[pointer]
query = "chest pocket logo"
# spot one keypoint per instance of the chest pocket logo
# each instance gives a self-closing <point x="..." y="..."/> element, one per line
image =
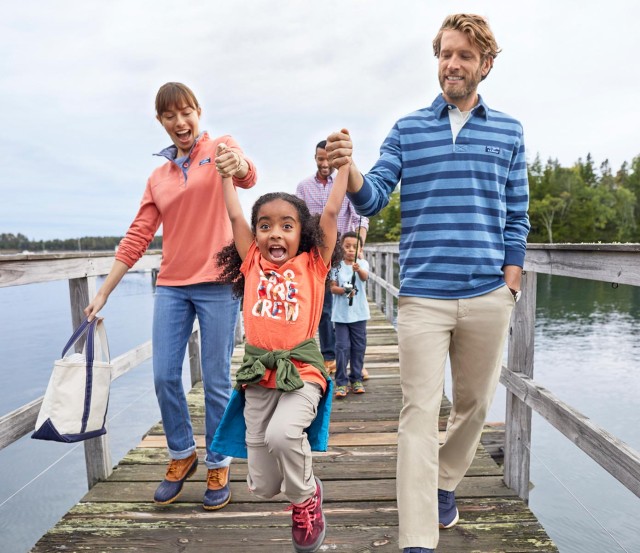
<point x="204" y="161"/>
<point x="492" y="149"/>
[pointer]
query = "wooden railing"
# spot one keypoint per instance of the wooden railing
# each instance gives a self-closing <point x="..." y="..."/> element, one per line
<point x="81" y="270"/>
<point x="604" y="262"/>
<point x="618" y="264"/>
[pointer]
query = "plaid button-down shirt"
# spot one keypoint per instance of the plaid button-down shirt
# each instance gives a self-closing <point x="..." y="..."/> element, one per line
<point x="315" y="194"/>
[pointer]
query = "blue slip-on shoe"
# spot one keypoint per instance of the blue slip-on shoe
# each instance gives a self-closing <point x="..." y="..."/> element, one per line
<point x="218" y="493"/>
<point x="179" y="470"/>
<point x="447" y="511"/>
<point x="417" y="550"/>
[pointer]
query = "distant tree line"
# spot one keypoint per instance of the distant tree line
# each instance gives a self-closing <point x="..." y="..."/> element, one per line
<point x="567" y="204"/>
<point x="582" y="204"/>
<point x="19" y="242"/>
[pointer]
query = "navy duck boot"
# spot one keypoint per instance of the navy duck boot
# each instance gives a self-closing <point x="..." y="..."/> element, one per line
<point x="218" y="493"/>
<point x="177" y="472"/>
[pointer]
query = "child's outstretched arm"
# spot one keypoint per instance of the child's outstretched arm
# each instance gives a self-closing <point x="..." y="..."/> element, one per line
<point x="242" y="235"/>
<point x="329" y="217"/>
<point x="363" y="274"/>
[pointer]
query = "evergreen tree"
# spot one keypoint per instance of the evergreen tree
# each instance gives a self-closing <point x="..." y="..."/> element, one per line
<point x="385" y="226"/>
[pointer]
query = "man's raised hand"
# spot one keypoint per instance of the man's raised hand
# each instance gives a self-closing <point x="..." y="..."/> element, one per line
<point x="339" y="148"/>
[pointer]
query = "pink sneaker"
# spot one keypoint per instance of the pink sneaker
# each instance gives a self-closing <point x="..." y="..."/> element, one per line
<point x="308" y="525"/>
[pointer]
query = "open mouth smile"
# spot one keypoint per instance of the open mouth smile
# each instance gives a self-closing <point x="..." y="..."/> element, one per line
<point x="184" y="136"/>
<point x="277" y="253"/>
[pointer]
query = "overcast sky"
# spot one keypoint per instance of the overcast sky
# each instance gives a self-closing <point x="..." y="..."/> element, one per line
<point x="78" y="81"/>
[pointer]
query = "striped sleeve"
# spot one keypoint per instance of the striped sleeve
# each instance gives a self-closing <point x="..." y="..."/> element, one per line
<point x="517" y="199"/>
<point x="380" y="182"/>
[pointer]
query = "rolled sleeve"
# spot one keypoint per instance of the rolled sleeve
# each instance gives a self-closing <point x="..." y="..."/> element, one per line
<point x="251" y="177"/>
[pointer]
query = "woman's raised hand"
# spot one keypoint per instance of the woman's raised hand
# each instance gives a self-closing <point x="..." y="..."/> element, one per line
<point x="228" y="162"/>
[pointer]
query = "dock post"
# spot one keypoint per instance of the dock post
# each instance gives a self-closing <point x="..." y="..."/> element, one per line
<point x="238" y="337"/>
<point x="96" y="450"/>
<point x="195" y="364"/>
<point x="388" y="276"/>
<point x="517" y="455"/>
<point x="378" y="256"/>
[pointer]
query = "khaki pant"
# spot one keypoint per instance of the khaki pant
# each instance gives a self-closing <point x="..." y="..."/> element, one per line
<point x="279" y="454"/>
<point x="472" y="332"/>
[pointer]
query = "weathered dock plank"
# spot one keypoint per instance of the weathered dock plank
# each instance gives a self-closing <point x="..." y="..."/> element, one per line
<point x="516" y="537"/>
<point x="145" y="464"/>
<point x="358" y="473"/>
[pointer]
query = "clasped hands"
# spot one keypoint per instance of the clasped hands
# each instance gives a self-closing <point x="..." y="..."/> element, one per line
<point x="339" y="148"/>
<point x="228" y="163"/>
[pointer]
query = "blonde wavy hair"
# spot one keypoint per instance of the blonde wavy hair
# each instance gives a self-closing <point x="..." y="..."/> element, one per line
<point x="477" y="30"/>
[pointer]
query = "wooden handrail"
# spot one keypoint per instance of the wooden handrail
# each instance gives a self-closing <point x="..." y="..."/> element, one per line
<point x="615" y="263"/>
<point x="81" y="270"/>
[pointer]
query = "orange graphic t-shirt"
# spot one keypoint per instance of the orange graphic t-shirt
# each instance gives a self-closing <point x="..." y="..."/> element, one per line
<point x="282" y="306"/>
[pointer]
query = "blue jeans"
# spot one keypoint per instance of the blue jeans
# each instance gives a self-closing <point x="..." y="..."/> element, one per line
<point x="351" y="345"/>
<point x="325" y="329"/>
<point x="176" y="308"/>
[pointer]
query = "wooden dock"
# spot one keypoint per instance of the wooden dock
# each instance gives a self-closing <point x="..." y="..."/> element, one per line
<point x="358" y="472"/>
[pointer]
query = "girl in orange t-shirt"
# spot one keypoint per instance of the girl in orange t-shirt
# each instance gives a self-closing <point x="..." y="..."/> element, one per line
<point x="280" y="264"/>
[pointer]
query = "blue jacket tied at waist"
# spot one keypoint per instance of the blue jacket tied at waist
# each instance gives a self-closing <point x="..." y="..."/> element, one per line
<point x="229" y="438"/>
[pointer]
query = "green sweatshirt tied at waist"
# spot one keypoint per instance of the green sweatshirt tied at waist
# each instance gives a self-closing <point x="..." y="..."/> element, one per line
<point x="256" y="360"/>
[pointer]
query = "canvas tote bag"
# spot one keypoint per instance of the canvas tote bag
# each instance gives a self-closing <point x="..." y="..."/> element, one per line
<point x="75" y="404"/>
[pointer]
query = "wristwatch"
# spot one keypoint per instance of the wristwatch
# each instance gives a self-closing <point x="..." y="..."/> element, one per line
<point x="516" y="294"/>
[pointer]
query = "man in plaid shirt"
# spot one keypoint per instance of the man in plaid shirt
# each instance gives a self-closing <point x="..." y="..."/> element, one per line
<point x="315" y="190"/>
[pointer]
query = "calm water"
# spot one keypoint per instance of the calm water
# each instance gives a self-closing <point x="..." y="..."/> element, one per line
<point x="587" y="353"/>
<point x="35" y="323"/>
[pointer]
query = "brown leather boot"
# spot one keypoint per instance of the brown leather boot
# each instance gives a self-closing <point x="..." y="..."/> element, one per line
<point x="330" y="366"/>
<point x="218" y="493"/>
<point x="177" y="472"/>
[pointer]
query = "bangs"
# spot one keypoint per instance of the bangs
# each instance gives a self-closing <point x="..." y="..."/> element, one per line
<point x="175" y="95"/>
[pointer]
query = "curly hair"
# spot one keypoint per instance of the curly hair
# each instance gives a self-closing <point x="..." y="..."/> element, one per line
<point x="311" y="236"/>
<point x="350" y="234"/>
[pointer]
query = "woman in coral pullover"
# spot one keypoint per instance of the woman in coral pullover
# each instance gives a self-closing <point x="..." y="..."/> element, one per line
<point x="185" y="196"/>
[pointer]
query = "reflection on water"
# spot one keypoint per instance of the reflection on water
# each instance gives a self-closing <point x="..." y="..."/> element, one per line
<point x="587" y="353"/>
<point x="587" y="350"/>
<point x="571" y="299"/>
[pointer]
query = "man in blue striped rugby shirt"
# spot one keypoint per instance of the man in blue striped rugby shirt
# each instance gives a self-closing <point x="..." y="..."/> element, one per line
<point x="464" y="199"/>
